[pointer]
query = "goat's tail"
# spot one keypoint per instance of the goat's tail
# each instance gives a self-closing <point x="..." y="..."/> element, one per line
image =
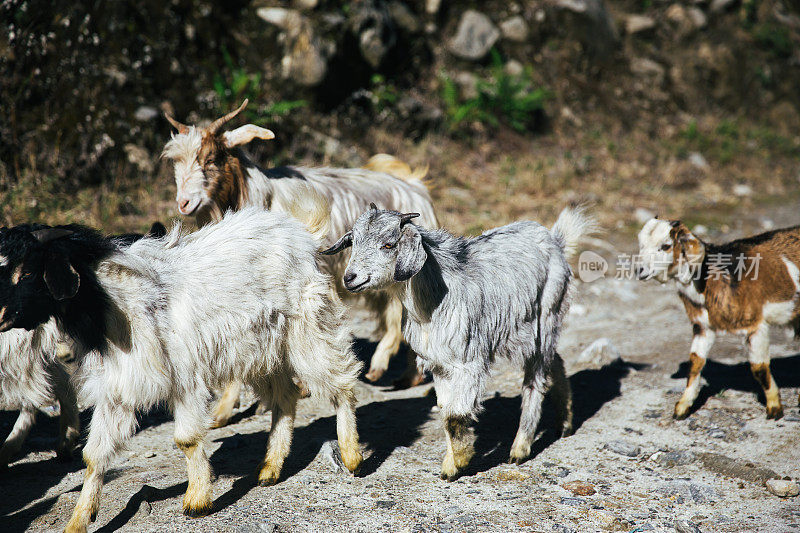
<point x="397" y="168"/>
<point x="573" y="224"/>
<point x="312" y="209"/>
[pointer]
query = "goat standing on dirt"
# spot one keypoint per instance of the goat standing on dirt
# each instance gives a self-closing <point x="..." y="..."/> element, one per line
<point x="740" y="287"/>
<point x="31" y="377"/>
<point x="213" y="175"/>
<point x="166" y="320"/>
<point x="470" y="300"/>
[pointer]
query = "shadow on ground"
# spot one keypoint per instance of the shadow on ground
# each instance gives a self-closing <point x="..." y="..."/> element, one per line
<point x="721" y="376"/>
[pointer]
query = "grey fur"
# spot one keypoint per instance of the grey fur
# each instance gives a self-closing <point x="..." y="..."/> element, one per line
<point x="468" y="301"/>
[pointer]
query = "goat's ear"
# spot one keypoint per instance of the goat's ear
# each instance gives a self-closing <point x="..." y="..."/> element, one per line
<point x="411" y="255"/>
<point x="245" y="134"/>
<point x="61" y="278"/>
<point x="344" y="242"/>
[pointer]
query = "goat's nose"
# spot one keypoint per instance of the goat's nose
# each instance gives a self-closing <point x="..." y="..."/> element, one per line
<point x="349" y="277"/>
<point x="183" y="204"/>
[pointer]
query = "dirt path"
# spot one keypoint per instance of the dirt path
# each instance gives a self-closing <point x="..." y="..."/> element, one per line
<point x="648" y="472"/>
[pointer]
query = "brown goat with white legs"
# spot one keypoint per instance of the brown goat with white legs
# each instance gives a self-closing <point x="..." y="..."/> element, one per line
<point x="213" y="175"/>
<point x="743" y="286"/>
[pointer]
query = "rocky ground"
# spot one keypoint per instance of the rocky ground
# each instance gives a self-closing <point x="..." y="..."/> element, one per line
<point x="629" y="466"/>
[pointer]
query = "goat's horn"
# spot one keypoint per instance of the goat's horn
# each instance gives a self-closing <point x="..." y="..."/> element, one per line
<point x="217" y="124"/>
<point x="51" y="234"/>
<point x="406" y="217"/>
<point x="373" y="206"/>
<point x="182" y="128"/>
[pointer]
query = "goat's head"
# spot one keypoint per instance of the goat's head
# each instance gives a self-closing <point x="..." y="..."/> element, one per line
<point x="667" y="249"/>
<point x="386" y="249"/>
<point x="35" y="274"/>
<point x="204" y="163"/>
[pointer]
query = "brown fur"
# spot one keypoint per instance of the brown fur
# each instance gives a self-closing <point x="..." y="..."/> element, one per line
<point x="737" y="304"/>
<point x="224" y="173"/>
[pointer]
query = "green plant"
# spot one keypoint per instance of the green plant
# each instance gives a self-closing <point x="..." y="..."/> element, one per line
<point x="384" y="93"/>
<point x="776" y="39"/>
<point x="512" y="99"/>
<point x="235" y="84"/>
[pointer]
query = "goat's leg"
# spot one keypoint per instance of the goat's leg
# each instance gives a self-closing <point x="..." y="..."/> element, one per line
<point x="702" y="341"/>
<point x="534" y="387"/>
<point x="284" y="396"/>
<point x="13" y="443"/>
<point x="758" y="352"/>
<point x="191" y="419"/>
<point x="347" y="431"/>
<point x="458" y="398"/>
<point x="111" y="426"/>
<point x="561" y="393"/>
<point x="392" y="321"/>
<point x="69" y="421"/>
<point x="226" y="404"/>
<point x="413" y="375"/>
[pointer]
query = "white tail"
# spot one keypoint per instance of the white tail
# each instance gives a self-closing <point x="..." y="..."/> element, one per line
<point x="573" y="224"/>
<point x="397" y="168"/>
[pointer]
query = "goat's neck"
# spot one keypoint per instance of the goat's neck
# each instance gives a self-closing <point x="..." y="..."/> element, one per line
<point x="424" y="292"/>
<point x="255" y="186"/>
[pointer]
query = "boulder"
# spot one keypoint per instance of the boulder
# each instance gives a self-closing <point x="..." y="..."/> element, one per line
<point x="475" y="36"/>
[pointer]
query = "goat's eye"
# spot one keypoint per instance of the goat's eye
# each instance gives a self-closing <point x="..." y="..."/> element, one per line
<point x="26" y="275"/>
<point x="388" y="246"/>
<point x="666" y="247"/>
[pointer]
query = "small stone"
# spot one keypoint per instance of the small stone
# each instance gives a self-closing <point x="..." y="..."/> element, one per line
<point x="599" y="353"/>
<point x="643" y="215"/>
<point x="639" y="23"/>
<point x="432" y="6"/>
<point x="305" y="4"/>
<point x="475" y="36"/>
<point x="580" y="488"/>
<point x="783" y="488"/>
<point x="643" y="66"/>
<point x="513" y="68"/>
<point x="697" y="17"/>
<point x="573" y="502"/>
<point x="623" y="448"/>
<point x="149" y="455"/>
<point x="675" y="458"/>
<point x="718" y="6"/>
<point x="717" y="434"/>
<point x="385" y="504"/>
<point x="403" y="16"/>
<point x="742" y="189"/>
<point x="767" y="224"/>
<point x="791" y="418"/>
<point x="332" y="456"/>
<point x="145" y="113"/>
<point x="686" y="490"/>
<point x="684" y="526"/>
<point x="697" y="159"/>
<point x="700" y="230"/>
<point x="604" y="518"/>
<point x="562" y="471"/>
<point x="145" y="508"/>
<point x="515" y="29"/>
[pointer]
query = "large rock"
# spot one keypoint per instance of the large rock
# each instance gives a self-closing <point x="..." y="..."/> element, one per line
<point x="515" y="29"/>
<point x="304" y="61"/>
<point x="590" y="21"/>
<point x="783" y="488"/>
<point x="475" y="36"/>
<point x="375" y="29"/>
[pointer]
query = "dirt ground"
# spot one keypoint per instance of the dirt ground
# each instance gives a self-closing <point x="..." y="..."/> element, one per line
<point x="646" y="472"/>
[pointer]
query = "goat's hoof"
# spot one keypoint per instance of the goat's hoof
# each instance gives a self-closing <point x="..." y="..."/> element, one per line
<point x="449" y="476"/>
<point x="75" y="528"/>
<point x="197" y="512"/>
<point x="220" y="422"/>
<point x="567" y="430"/>
<point x="774" y="413"/>
<point x="268" y="477"/>
<point x="406" y="382"/>
<point x="680" y="413"/>
<point x="374" y="374"/>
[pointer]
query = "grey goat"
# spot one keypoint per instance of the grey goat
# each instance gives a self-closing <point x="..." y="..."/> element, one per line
<point x="469" y="300"/>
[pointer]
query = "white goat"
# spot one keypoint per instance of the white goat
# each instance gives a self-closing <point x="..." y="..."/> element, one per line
<point x="30" y="377"/>
<point x="213" y="175"/>
<point x="167" y="320"/>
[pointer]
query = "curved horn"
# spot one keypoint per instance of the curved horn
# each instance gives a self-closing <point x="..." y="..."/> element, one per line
<point x="217" y="124"/>
<point x="51" y="234"/>
<point x="406" y="217"/>
<point x="341" y="244"/>
<point x="182" y="128"/>
<point x="372" y="206"/>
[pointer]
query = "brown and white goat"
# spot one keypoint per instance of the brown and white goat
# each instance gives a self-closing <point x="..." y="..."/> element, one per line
<point x="744" y="286"/>
<point x="213" y="176"/>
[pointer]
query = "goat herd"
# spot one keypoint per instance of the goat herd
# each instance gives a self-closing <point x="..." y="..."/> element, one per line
<point x="250" y="298"/>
